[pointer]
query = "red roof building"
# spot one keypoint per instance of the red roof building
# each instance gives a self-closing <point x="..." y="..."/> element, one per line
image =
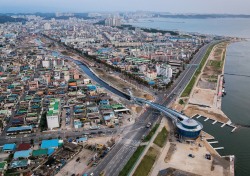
<point x="23" y="146"/>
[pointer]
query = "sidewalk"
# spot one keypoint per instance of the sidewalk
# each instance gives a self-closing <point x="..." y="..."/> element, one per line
<point x="162" y="124"/>
<point x="159" y="163"/>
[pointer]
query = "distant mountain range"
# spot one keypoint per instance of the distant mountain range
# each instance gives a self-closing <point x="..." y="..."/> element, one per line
<point x="5" y="19"/>
<point x="47" y="16"/>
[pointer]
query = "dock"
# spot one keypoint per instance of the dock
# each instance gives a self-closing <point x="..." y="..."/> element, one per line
<point x="215" y="122"/>
<point x="198" y="116"/>
<point x="213" y="142"/>
<point x="206" y="119"/>
<point x="223" y="125"/>
<point x="219" y="148"/>
<point x="234" y="129"/>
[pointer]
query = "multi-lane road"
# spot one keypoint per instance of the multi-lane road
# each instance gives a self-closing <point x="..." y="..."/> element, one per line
<point x="113" y="163"/>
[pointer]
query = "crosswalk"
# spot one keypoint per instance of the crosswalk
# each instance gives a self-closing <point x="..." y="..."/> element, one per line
<point x="130" y="142"/>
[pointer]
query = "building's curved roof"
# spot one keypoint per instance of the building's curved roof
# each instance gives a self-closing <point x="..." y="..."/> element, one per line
<point x="190" y="122"/>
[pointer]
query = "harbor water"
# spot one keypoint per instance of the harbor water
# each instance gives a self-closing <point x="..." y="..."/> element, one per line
<point x="236" y="104"/>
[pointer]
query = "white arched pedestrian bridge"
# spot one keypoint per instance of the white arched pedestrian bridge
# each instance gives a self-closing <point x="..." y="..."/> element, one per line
<point x="186" y="126"/>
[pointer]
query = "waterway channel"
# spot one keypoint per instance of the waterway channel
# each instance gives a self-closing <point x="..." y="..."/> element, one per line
<point x="92" y="76"/>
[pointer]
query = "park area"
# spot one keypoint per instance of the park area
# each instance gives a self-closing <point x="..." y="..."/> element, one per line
<point x="147" y="162"/>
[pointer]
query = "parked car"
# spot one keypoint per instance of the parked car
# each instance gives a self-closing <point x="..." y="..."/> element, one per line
<point x="191" y="155"/>
<point x="208" y="156"/>
<point x="94" y="127"/>
<point x="78" y="159"/>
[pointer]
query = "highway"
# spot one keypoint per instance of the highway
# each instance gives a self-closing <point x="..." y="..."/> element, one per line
<point x="113" y="163"/>
<point x="56" y="134"/>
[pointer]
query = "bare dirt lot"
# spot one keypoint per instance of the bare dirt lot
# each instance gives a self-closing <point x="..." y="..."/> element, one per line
<point x="207" y="112"/>
<point x="204" y="98"/>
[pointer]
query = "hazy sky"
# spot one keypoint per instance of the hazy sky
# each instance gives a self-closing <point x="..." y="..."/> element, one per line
<point x="174" y="6"/>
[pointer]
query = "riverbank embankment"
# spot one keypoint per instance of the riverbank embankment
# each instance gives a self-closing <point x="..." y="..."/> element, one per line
<point x="114" y="80"/>
<point x="206" y="96"/>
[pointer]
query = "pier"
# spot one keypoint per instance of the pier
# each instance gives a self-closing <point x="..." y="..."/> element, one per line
<point x="215" y="122"/>
<point x="234" y="129"/>
<point x="198" y="116"/>
<point x="224" y="124"/>
<point x="206" y="119"/>
<point x="219" y="148"/>
<point x="213" y="142"/>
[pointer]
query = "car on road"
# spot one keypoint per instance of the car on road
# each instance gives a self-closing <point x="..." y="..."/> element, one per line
<point x="148" y="125"/>
<point x="94" y="127"/>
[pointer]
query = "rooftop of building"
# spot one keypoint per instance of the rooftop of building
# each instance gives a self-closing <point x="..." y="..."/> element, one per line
<point x="23" y="146"/>
<point x="52" y="143"/>
<point x="22" y="154"/>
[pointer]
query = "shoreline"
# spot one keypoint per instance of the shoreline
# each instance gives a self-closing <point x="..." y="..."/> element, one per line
<point x="205" y="98"/>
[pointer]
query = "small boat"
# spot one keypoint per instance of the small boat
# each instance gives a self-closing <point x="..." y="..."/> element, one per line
<point x="224" y="91"/>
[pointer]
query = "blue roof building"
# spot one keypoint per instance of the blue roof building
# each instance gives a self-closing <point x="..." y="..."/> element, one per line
<point x="19" y="129"/>
<point x="9" y="147"/>
<point x="19" y="163"/>
<point x="77" y="124"/>
<point x="106" y="117"/>
<point x="91" y="87"/>
<point x="83" y="139"/>
<point x="50" y="151"/>
<point x="104" y="102"/>
<point x="53" y="143"/>
<point x="22" y="154"/>
<point x="189" y="128"/>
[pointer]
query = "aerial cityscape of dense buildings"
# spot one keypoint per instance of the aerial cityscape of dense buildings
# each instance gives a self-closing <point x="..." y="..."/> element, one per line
<point x="84" y="95"/>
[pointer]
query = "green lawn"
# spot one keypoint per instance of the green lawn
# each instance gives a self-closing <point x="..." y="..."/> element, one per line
<point x="147" y="163"/>
<point x="215" y="64"/>
<point x="191" y="83"/>
<point x="161" y="138"/>
<point x="151" y="133"/>
<point x="131" y="162"/>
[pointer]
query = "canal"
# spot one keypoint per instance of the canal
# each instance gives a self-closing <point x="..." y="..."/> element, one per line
<point x="92" y="75"/>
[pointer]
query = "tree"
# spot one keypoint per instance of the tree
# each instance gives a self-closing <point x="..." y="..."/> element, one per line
<point x="43" y="122"/>
<point x="181" y="102"/>
<point x="31" y="141"/>
<point x="10" y="157"/>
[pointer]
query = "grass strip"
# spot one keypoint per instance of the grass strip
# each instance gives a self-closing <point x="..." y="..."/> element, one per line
<point x="151" y="133"/>
<point x="131" y="162"/>
<point x="146" y="163"/>
<point x="161" y="138"/>
<point x="191" y="83"/>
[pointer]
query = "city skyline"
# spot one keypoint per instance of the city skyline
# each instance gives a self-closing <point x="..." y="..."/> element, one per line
<point x="190" y="6"/>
